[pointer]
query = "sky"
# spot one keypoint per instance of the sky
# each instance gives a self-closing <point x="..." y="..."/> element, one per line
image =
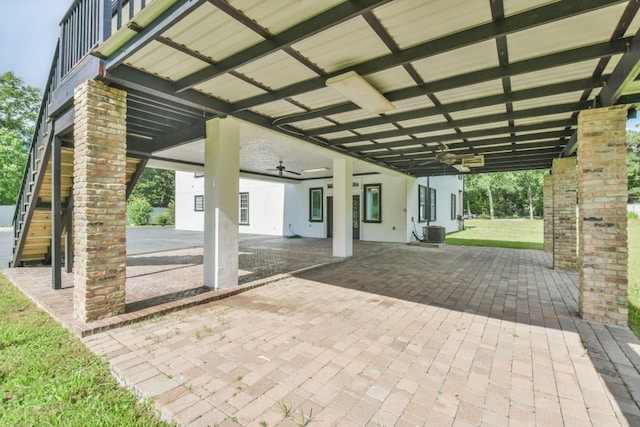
<point x="29" y="30"/>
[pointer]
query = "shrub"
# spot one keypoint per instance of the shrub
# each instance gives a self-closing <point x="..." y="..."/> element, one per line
<point x="138" y="211"/>
<point x="164" y="218"/>
<point x="632" y="215"/>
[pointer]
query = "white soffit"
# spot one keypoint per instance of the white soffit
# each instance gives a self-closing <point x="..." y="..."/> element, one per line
<point x="460" y="61"/>
<point x="342" y="46"/>
<point x="544" y="101"/>
<point x="277" y="16"/>
<point x="164" y="61"/>
<point x="229" y="88"/>
<point x="580" y="30"/>
<point x="224" y="36"/>
<point x="476" y="112"/>
<point x="414" y="22"/>
<point x="475" y="91"/>
<point x="277" y="70"/>
<point x="278" y="108"/>
<point x="549" y="76"/>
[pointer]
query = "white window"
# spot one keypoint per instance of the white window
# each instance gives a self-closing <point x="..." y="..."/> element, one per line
<point x="244" y="208"/>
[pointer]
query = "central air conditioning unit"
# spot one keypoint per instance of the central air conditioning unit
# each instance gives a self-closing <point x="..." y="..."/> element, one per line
<point x="434" y="234"/>
<point x="475" y="161"/>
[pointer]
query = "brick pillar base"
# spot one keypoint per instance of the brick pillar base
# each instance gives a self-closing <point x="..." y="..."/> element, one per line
<point x="564" y="213"/>
<point x="602" y="193"/>
<point x="548" y="213"/>
<point x="99" y="201"/>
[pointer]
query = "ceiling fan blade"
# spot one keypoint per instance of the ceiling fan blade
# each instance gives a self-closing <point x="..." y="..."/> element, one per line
<point x="295" y="173"/>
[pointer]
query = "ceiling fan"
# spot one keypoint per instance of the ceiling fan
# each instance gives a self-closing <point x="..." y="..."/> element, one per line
<point x="444" y="157"/>
<point x="282" y="169"/>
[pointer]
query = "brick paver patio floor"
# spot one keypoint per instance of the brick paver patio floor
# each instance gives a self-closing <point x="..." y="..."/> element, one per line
<point x="410" y="336"/>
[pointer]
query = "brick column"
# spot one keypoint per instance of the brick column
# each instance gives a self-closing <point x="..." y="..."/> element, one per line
<point x="99" y="201"/>
<point x="547" y="200"/>
<point x="564" y="213"/>
<point x="602" y="195"/>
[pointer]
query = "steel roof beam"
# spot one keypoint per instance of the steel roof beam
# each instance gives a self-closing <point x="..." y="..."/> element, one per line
<point x="480" y="120"/>
<point x="457" y="136"/>
<point x="528" y="19"/>
<point x="307" y="28"/>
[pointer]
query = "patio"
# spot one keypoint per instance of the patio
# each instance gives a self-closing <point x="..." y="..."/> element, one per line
<point x="409" y="336"/>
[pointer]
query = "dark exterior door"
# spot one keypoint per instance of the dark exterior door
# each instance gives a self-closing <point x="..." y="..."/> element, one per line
<point x="356" y="217"/>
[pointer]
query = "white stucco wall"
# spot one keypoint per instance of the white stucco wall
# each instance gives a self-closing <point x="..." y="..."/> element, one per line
<point x="283" y="209"/>
<point x="266" y="205"/>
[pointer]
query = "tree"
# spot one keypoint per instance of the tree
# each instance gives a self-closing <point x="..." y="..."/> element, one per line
<point x="12" y="160"/>
<point x="19" y="106"/>
<point x="157" y="186"/>
<point x="18" y="112"/>
<point x="633" y="166"/>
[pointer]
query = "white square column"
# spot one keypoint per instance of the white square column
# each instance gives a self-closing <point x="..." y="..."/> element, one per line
<point x="342" y="207"/>
<point x="221" y="188"/>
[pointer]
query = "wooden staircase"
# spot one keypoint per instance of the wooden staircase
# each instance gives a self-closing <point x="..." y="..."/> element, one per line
<point x="32" y="240"/>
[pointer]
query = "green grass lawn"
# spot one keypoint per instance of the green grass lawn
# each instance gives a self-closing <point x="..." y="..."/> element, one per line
<point x="502" y="233"/>
<point x="49" y="378"/>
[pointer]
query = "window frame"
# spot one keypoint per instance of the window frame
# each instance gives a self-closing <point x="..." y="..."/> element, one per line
<point x="365" y="192"/>
<point x="432" y="204"/>
<point x="198" y="203"/>
<point x="454" y="206"/>
<point x="312" y="208"/>
<point x="423" y="207"/>
<point x="240" y="222"/>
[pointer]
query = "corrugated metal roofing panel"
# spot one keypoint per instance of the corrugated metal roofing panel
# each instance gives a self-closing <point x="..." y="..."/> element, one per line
<point x="279" y="108"/>
<point x="229" y="88"/>
<point x="351" y="116"/>
<point x="342" y="46"/>
<point x="470" y="58"/>
<point x="611" y="65"/>
<point x="165" y="62"/>
<point x="378" y="128"/>
<point x="554" y="75"/>
<point x="580" y="30"/>
<point x="357" y="144"/>
<point x="475" y="91"/>
<point x="543" y="119"/>
<point x="434" y="133"/>
<point x="335" y="135"/>
<point x="512" y="7"/>
<point x="416" y="21"/>
<point x="561" y="98"/>
<point x="426" y="120"/>
<point x="408" y="104"/>
<point x="277" y="16"/>
<point x="277" y="70"/>
<point x="391" y="79"/>
<point x="476" y="112"/>
<point x="393" y="139"/>
<point x="312" y="123"/>
<point x="320" y="98"/>
<point x="212" y="32"/>
<point x="484" y="126"/>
